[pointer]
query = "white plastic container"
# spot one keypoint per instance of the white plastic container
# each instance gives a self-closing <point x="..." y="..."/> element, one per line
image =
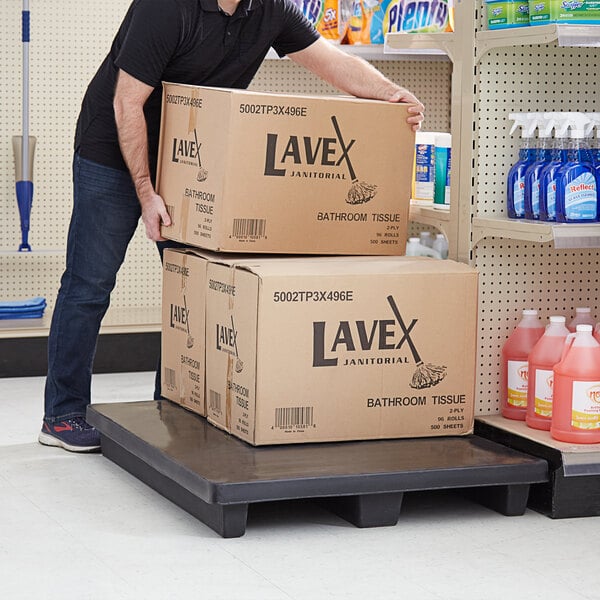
<point x="583" y="316"/>
<point x="424" y="167"/>
<point x="425" y="239"/>
<point x="415" y="248"/>
<point x="443" y="163"/>
<point x="440" y="245"/>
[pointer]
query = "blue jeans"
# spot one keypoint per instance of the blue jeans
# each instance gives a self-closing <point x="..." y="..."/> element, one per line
<point x="105" y="215"/>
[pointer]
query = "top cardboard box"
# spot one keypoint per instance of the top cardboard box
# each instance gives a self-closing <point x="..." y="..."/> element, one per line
<point x="244" y="171"/>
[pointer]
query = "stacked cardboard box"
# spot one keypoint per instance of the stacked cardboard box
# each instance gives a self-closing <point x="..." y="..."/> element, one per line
<point x="290" y="349"/>
<point x="272" y="173"/>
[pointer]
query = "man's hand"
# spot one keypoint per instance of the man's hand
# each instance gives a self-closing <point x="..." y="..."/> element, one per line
<point x="416" y="110"/>
<point x="154" y="214"/>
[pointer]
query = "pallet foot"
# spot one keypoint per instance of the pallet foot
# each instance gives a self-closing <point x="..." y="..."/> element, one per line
<point x="367" y="510"/>
<point x="509" y="500"/>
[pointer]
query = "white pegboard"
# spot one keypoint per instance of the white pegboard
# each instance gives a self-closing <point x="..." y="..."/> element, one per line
<point x="429" y="80"/>
<point x="69" y="39"/>
<point x="514" y="274"/>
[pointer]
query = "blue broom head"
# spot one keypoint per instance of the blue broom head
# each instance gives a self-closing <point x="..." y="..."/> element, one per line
<point x="24" y="200"/>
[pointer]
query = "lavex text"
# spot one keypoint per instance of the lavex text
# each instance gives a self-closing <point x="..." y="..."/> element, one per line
<point x="381" y="334"/>
<point x="179" y="314"/>
<point x="323" y="151"/>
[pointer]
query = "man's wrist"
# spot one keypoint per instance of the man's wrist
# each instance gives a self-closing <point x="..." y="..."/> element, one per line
<point x="144" y="189"/>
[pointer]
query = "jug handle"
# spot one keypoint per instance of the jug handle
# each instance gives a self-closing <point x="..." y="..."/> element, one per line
<point x="567" y="345"/>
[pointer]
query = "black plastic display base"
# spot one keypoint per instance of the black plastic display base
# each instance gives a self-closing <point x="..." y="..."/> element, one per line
<point x="116" y="353"/>
<point x="573" y="486"/>
<point x="215" y="476"/>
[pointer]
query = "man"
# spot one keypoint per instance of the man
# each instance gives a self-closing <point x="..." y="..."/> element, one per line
<point x="200" y="42"/>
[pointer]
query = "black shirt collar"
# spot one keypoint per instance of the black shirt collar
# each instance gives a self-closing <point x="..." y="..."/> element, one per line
<point x="244" y="7"/>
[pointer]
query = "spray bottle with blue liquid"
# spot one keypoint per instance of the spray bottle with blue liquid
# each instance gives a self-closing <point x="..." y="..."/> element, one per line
<point x="576" y="184"/>
<point x="545" y="124"/>
<point x="547" y="175"/>
<point x="527" y="155"/>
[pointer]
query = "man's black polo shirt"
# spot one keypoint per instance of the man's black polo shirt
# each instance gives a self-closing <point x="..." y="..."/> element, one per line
<point x="183" y="41"/>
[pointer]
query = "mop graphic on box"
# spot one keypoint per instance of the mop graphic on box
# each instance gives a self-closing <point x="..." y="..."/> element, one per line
<point x="227" y="342"/>
<point x="360" y="192"/>
<point x="187" y="152"/>
<point x="202" y="172"/>
<point x="239" y="365"/>
<point x="426" y="375"/>
<point x="190" y="339"/>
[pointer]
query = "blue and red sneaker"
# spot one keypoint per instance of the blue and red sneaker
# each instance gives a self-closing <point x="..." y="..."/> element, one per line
<point x="74" y="434"/>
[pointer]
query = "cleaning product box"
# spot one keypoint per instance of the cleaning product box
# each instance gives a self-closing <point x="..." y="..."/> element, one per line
<point x="406" y="16"/>
<point x="506" y="14"/>
<point x="244" y="171"/>
<point x="323" y="14"/>
<point x="183" y="329"/>
<point x="341" y="348"/>
<point x="580" y="12"/>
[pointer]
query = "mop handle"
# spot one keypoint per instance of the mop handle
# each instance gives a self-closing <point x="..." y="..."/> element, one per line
<point x="341" y="139"/>
<point x="25" y="37"/>
<point x="407" y="337"/>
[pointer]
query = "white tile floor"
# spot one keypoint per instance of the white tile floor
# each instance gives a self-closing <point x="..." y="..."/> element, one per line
<point x="77" y="526"/>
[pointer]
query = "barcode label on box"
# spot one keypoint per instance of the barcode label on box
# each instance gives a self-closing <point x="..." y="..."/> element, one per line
<point x="170" y="378"/>
<point x="214" y="401"/>
<point x="252" y="228"/>
<point x="294" y="416"/>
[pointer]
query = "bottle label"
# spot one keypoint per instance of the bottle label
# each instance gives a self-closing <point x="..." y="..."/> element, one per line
<point x="424" y="171"/>
<point x="517" y="383"/>
<point x="580" y="198"/>
<point x="585" y="412"/>
<point x="544" y="383"/>
<point x="551" y="199"/>
<point x="535" y="197"/>
<point x="519" y="196"/>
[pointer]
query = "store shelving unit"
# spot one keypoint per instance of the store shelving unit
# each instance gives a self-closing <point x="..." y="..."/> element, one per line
<point x="120" y="320"/>
<point x="485" y="89"/>
<point x="562" y="235"/>
<point x="573" y="486"/>
<point x="384" y="52"/>
<point x="584" y="36"/>
<point x="549" y="266"/>
<point x="437" y="218"/>
<point x="458" y="47"/>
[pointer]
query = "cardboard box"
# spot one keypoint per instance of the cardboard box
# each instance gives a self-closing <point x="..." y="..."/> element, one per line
<point x="183" y="357"/>
<point x="183" y="329"/>
<point x="244" y="171"/>
<point x="321" y="350"/>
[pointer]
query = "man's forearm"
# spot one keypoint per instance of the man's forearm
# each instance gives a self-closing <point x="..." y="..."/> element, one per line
<point x="346" y="72"/>
<point x="130" y="97"/>
<point x="357" y="77"/>
<point x="133" y="140"/>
